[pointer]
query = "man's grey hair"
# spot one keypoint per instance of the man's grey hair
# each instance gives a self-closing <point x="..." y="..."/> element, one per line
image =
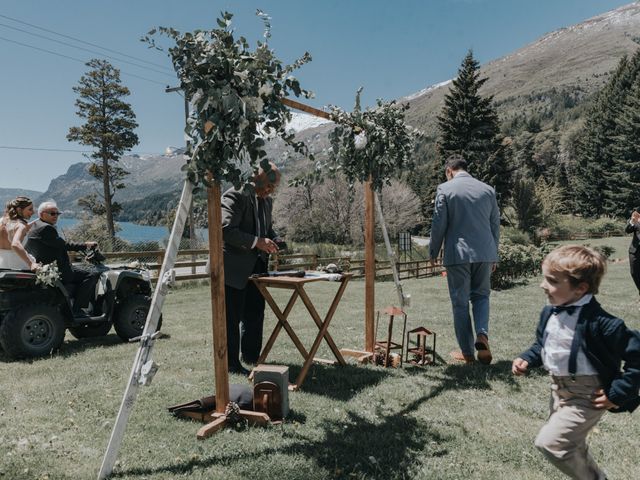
<point x="46" y="205"/>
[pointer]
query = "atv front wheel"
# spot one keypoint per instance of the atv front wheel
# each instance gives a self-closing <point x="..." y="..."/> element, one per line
<point x="131" y="316"/>
<point x="32" y="331"/>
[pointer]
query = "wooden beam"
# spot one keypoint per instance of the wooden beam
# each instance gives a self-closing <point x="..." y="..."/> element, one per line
<point x="305" y="108"/>
<point x="369" y="266"/>
<point x="218" y="310"/>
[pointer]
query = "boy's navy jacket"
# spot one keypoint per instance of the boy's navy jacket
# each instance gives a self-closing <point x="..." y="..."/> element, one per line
<point x="607" y="342"/>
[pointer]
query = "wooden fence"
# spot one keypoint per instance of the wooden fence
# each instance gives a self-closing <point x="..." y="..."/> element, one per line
<point x="188" y="261"/>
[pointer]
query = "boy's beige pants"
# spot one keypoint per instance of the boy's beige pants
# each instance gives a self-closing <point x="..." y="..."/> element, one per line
<point x="563" y="438"/>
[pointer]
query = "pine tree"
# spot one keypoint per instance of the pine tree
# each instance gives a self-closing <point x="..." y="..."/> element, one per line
<point x="623" y="192"/>
<point x="468" y="125"/>
<point x="596" y="176"/>
<point x="109" y="129"/>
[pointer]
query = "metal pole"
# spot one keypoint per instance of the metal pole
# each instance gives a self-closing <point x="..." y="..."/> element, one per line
<point x="390" y="253"/>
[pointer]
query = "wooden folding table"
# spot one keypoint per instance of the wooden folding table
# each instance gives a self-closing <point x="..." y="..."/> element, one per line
<point x="296" y="285"/>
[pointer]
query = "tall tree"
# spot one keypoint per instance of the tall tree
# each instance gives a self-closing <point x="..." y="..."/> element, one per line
<point x="624" y="195"/>
<point x="109" y="129"/>
<point x="596" y="175"/>
<point x="468" y="125"/>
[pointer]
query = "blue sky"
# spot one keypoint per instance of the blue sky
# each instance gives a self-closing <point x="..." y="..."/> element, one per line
<point x="391" y="48"/>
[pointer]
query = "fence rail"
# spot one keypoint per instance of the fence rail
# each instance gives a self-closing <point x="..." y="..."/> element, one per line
<point x="187" y="269"/>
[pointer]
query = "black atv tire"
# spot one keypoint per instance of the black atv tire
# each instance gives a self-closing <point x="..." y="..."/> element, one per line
<point x="91" y="330"/>
<point x="131" y="316"/>
<point x="32" y="331"/>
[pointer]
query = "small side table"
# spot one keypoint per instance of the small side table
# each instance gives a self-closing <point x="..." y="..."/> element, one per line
<point x="421" y="350"/>
<point x="388" y="345"/>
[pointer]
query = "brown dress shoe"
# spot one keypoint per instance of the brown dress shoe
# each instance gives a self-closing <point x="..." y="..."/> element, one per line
<point x="461" y="357"/>
<point x="484" y="352"/>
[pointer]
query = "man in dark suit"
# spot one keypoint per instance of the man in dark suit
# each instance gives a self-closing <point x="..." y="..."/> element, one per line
<point x="466" y="218"/>
<point x="249" y="238"/>
<point x="634" y="249"/>
<point x="44" y="243"/>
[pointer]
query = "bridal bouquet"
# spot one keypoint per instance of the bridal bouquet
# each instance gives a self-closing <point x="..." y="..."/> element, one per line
<point x="47" y="275"/>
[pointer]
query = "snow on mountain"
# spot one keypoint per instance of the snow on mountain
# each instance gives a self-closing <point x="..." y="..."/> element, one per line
<point x="303" y="121"/>
<point x="423" y="91"/>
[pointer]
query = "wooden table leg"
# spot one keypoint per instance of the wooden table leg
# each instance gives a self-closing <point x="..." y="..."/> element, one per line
<point x="282" y="322"/>
<point x="323" y="332"/>
<point x="316" y="317"/>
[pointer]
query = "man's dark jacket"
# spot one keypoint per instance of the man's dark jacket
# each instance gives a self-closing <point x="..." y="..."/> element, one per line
<point x="239" y="231"/>
<point x="607" y="342"/>
<point x="635" y="241"/>
<point x="44" y="243"/>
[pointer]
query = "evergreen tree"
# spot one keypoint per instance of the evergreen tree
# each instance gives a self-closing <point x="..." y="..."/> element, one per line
<point x="596" y="175"/>
<point x="468" y="125"/>
<point x="623" y="192"/>
<point x="109" y="129"/>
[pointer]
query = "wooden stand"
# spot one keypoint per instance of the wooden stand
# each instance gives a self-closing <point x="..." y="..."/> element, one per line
<point x="388" y="345"/>
<point x="421" y="350"/>
<point x="296" y="285"/>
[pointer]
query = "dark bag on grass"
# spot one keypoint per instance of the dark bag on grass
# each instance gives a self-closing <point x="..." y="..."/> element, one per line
<point x="198" y="409"/>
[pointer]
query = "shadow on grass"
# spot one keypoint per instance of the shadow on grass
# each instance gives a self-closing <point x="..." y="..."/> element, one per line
<point x="466" y="377"/>
<point x="352" y="447"/>
<point x="72" y="347"/>
<point x="69" y="348"/>
<point x="336" y="382"/>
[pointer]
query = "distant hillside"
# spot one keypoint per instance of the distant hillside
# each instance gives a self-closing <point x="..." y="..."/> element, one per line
<point x="7" y="194"/>
<point x="548" y="83"/>
<point x="149" y="175"/>
<point x="573" y="59"/>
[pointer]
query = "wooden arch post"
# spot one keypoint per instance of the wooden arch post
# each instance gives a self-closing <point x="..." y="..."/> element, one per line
<point x="219" y="318"/>
<point x="370" y="250"/>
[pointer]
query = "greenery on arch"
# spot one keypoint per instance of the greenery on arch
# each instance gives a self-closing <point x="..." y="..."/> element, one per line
<point x="235" y="97"/>
<point x="372" y="144"/>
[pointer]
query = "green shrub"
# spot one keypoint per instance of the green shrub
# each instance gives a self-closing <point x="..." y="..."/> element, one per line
<point x="514" y="236"/>
<point x="568" y="225"/>
<point x="606" y="225"/>
<point x="605" y="250"/>
<point x="517" y="262"/>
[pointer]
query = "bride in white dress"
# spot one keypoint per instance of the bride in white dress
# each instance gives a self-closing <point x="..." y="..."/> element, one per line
<point x="13" y="232"/>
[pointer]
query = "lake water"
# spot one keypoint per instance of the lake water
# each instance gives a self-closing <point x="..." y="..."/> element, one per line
<point x="131" y="232"/>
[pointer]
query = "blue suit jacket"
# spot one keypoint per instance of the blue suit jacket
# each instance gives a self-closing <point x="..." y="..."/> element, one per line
<point x="466" y="218"/>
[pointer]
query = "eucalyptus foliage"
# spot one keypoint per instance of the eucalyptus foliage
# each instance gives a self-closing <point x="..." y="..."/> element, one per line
<point x="374" y="144"/>
<point x="235" y="97"/>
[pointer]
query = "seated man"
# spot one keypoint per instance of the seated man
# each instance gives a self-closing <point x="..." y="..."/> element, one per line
<point x="44" y="243"/>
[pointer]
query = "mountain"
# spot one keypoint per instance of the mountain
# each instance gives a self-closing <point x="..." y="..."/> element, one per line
<point x="551" y="80"/>
<point x="149" y="175"/>
<point x="577" y="58"/>
<point x="7" y="194"/>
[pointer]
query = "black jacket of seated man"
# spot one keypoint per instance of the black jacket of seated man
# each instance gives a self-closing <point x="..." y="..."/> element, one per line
<point x="44" y="243"/>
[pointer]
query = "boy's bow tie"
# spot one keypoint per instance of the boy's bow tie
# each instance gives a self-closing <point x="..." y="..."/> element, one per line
<point x="557" y="309"/>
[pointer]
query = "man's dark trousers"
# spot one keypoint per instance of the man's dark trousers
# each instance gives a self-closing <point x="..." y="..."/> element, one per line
<point x="245" y="318"/>
<point x="85" y="284"/>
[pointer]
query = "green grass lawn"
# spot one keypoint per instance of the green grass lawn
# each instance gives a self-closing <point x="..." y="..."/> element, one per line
<point x="438" y="422"/>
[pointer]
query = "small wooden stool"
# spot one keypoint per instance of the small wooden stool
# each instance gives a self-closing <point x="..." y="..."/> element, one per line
<point x="421" y="350"/>
<point x="389" y="345"/>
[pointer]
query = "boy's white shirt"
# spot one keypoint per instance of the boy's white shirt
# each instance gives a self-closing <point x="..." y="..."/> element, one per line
<point x="557" y="340"/>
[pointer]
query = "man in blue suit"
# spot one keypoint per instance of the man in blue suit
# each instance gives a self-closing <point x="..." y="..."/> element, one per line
<point x="466" y="218"/>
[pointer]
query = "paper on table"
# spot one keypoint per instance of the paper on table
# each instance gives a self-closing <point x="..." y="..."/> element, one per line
<point x="332" y="277"/>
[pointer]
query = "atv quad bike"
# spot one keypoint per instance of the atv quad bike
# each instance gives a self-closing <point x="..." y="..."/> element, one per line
<point x="33" y="318"/>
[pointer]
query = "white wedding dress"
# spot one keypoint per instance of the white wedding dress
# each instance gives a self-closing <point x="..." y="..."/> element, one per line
<point x="8" y="258"/>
